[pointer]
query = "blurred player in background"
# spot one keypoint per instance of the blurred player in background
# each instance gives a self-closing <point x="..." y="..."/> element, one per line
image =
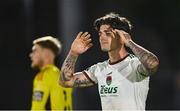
<point x="123" y="79"/>
<point x="44" y="52"/>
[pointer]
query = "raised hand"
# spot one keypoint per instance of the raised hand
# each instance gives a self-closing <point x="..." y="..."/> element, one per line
<point x="81" y="44"/>
<point x="125" y="37"/>
<point x="149" y="61"/>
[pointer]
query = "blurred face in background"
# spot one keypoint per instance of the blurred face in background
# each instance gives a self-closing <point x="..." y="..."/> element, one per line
<point x="36" y="56"/>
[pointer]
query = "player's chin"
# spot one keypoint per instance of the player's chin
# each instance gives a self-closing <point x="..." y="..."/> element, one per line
<point x="104" y="49"/>
<point x="34" y="66"/>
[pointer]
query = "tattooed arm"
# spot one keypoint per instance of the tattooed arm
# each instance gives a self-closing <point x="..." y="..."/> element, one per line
<point x="67" y="77"/>
<point x="149" y="61"/>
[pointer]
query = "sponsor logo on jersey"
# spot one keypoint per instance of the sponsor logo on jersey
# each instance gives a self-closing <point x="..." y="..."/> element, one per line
<point x="38" y="95"/>
<point x="108" y="90"/>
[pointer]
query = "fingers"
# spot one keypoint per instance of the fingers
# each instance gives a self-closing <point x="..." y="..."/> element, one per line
<point x="114" y="33"/>
<point x="84" y="37"/>
<point x="87" y="41"/>
<point x="89" y="46"/>
<point x="79" y="34"/>
<point x="87" y="36"/>
<point x="84" y="34"/>
<point x="119" y="32"/>
<point x="125" y="37"/>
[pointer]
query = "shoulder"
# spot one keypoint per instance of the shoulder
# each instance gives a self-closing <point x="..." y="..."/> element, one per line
<point x="50" y="75"/>
<point x="103" y="64"/>
<point x="99" y="65"/>
<point x="133" y="58"/>
<point x="51" y="70"/>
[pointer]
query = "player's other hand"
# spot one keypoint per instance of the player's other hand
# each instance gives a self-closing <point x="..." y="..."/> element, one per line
<point x="81" y="44"/>
<point x="125" y="37"/>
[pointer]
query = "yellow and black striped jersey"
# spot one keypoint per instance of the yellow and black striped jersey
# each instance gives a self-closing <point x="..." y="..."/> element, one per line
<point x="46" y="85"/>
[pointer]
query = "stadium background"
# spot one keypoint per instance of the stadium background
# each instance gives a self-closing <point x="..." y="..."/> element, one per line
<point x="156" y="27"/>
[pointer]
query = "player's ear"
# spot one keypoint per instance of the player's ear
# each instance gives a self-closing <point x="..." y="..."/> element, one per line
<point x="45" y="52"/>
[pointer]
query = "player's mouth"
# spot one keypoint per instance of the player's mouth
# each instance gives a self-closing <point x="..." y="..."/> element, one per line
<point x="104" y="42"/>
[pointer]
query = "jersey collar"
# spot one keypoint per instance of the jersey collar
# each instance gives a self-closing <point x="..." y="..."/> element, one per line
<point x="113" y="63"/>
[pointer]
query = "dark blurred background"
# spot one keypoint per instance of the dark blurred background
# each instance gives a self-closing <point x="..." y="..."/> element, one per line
<point x="156" y="27"/>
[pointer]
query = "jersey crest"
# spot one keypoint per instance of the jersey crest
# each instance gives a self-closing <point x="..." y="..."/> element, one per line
<point x="108" y="80"/>
<point x="38" y="96"/>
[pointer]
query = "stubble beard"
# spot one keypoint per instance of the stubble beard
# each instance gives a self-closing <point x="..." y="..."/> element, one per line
<point x="104" y="49"/>
<point x="37" y="65"/>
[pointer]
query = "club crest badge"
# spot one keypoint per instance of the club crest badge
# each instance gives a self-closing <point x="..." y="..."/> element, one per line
<point x="108" y="80"/>
<point x="38" y="96"/>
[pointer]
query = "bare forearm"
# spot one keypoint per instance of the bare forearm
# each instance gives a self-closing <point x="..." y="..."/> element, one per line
<point x="148" y="59"/>
<point x="68" y="79"/>
<point x="68" y="67"/>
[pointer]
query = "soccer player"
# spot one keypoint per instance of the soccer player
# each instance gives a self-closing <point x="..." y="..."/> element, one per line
<point x="123" y="79"/>
<point x="44" y="52"/>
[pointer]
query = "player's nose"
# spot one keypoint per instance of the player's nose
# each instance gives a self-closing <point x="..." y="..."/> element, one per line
<point x="30" y="55"/>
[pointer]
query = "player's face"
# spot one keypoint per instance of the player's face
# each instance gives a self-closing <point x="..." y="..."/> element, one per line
<point x="36" y="56"/>
<point x="108" y="40"/>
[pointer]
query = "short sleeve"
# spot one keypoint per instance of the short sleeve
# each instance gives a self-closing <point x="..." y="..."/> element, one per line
<point x="90" y="73"/>
<point x="140" y="73"/>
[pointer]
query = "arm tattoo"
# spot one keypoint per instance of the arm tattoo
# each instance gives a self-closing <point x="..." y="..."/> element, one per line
<point x="82" y="83"/>
<point x="68" y="68"/>
<point x="149" y="60"/>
